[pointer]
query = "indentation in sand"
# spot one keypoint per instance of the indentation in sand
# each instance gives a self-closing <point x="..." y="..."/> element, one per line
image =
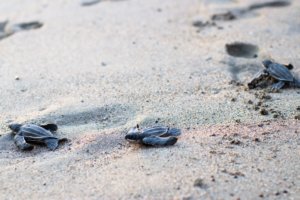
<point x="241" y="49"/>
<point x="109" y="115"/>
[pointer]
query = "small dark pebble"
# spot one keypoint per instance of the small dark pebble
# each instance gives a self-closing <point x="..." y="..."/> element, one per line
<point x="256" y="139"/>
<point x="266" y="133"/>
<point x="235" y="142"/>
<point x="298" y="108"/>
<point x="256" y="108"/>
<point x="103" y="64"/>
<point x="297" y="117"/>
<point x="235" y="82"/>
<point x="233" y="100"/>
<point x="263" y="112"/>
<point x="236" y="135"/>
<point x="259" y="103"/>
<point x="277" y="193"/>
<point x="250" y="102"/>
<point x="266" y="97"/>
<point x="260" y="125"/>
<point x="238" y="121"/>
<point x="17" y="78"/>
<point x="275" y="116"/>
<point x="261" y="196"/>
<point x="285" y="191"/>
<point x="199" y="183"/>
<point x="200" y="24"/>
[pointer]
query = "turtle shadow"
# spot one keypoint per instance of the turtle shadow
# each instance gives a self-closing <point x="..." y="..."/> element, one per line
<point x="108" y="116"/>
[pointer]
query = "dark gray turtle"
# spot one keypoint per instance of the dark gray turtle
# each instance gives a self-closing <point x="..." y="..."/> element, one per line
<point x="276" y="74"/>
<point x="154" y="136"/>
<point x="28" y="134"/>
<point x="281" y="73"/>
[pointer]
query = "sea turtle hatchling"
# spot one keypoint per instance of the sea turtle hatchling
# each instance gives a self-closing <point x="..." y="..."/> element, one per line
<point x="278" y="74"/>
<point x="28" y="134"/>
<point x="154" y="136"/>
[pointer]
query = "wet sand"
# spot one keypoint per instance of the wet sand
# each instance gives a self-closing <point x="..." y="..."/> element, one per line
<point x="98" y="70"/>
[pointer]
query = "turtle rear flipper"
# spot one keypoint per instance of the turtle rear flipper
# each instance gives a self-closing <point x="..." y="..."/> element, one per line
<point x="278" y="86"/>
<point x="172" y="132"/>
<point x="158" y="141"/>
<point x="50" y="127"/>
<point x="21" y="143"/>
<point x="52" y="143"/>
<point x="295" y="83"/>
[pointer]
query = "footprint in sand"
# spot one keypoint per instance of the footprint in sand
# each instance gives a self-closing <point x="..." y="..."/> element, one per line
<point x="247" y="12"/>
<point x="240" y="49"/>
<point x="89" y="2"/>
<point x="107" y="116"/>
<point x="7" y="29"/>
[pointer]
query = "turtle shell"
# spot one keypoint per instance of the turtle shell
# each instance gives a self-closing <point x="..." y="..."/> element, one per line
<point x="27" y="134"/>
<point x="35" y="134"/>
<point x="280" y="72"/>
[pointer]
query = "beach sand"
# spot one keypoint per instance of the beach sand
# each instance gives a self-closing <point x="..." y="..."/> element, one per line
<point x="98" y="70"/>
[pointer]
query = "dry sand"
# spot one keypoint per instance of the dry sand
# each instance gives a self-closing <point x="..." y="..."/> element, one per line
<point x="98" y="70"/>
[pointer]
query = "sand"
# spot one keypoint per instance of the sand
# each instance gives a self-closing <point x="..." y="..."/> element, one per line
<point x="98" y="70"/>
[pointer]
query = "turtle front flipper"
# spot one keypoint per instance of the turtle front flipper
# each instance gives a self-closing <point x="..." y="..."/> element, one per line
<point x="50" y="127"/>
<point x="51" y="143"/>
<point x="21" y="143"/>
<point x="158" y="141"/>
<point x="257" y="79"/>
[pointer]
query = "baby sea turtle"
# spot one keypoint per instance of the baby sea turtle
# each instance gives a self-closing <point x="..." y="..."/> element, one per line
<point x="154" y="136"/>
<point x="277" y="74"/>
<point x="28" y="134"/>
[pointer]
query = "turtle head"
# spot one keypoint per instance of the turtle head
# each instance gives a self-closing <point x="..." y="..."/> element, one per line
<point x="267" y="63"/>
<point x="15" y="127"/>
